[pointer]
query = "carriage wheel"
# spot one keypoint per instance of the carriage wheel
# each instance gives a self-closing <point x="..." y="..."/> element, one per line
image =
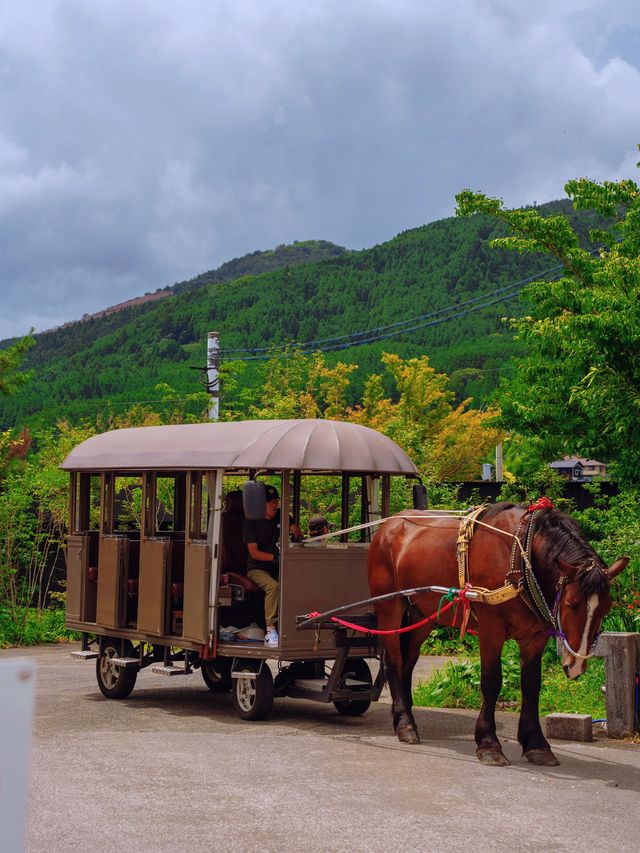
<point x="357" y="669"/>
<point x="217" y="675"/>
<point x="115" y="682"/>
<point x="253" y="694"/>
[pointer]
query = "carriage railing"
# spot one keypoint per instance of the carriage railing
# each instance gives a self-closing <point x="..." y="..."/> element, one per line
<point x="449" y="593"/>
<point x="442" y="513"/>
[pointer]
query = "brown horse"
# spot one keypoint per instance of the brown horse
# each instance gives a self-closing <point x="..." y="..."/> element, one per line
<point x="548" y="581"/>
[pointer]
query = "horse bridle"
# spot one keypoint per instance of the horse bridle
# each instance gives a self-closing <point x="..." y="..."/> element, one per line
<point x="530" y="589"/>
<point x="557" y="624"/>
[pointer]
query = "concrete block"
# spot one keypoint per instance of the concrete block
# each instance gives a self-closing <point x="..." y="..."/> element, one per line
<point x="570" y="727"/>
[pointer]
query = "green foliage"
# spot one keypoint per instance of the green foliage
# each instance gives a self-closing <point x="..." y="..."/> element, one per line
<point x="256" y="263"/>
<point x="33" y="627"/>
<point x="613" y="526"/>
<point x="458" y="686"/>
<point x="10" y="360"/>
<point x="538" y="481"/>
<point x="447" y="641"/>
<point x="578" y="388"/>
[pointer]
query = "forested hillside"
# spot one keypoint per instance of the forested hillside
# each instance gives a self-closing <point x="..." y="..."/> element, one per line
<point x="427" y="279"/>
<point x="298" y="252"/>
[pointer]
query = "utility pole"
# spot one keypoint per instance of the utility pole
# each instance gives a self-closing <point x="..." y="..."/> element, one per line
<point x="499" y="475"/>
<point x="213" y="375"/>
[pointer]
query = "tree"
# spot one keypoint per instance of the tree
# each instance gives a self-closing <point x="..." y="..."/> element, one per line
<point x="446" y="442"/>
<point x="578" y="389"/>
<point x="302" y="386"/>
<point x="13" y="446"/>
<point x="11" y="358"/>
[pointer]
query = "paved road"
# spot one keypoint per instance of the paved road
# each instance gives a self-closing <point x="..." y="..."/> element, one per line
<point x="173" y="769"/>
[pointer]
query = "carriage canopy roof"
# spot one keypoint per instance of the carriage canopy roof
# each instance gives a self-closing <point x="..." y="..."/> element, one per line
<point x="305" y="445"/>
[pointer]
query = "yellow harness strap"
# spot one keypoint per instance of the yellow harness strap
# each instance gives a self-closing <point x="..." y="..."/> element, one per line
<point x="465" y="535"/>
<point x="495" y="596"/>
<point x="482" y="595"/>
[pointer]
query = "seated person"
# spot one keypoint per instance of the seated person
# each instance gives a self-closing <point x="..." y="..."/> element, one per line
<point x="262" y="538"/>
<point x="318" y="526"/>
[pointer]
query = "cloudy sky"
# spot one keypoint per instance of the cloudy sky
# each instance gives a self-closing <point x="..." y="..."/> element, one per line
<point x="145" y="141"/>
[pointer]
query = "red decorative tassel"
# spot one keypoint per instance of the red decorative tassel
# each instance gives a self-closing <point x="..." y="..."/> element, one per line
<point x="541" y="503"/>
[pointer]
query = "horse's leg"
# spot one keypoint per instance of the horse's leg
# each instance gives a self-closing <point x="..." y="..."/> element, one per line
<point x="411" y="643"/>
<point x="492" y="638"/>
<point x="390" y="615"/>
<point x="535" y="747"/>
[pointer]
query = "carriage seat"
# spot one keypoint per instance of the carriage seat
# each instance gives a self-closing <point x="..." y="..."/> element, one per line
<point x="240" y="580"/>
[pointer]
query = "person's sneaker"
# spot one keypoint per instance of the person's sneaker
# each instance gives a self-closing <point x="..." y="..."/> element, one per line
<point x="271" y="637"/>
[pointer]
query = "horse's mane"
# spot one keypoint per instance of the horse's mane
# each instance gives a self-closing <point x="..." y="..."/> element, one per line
<point x="564" y="541"/>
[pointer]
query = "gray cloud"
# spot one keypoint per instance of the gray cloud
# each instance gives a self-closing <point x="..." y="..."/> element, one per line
<point x="143" y="143"/>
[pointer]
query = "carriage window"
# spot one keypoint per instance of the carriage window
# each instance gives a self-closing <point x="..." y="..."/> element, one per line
<point x="86" y="508"/>
<point x="344" y="500"/>
<point x="198" y="486"/>
<point x="232" y="483"/>
<point x="127" y="503"/>
<point x="169" y="507"/>
<point x="164" y="518"/>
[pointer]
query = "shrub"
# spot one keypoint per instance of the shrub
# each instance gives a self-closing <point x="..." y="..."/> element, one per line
<point x="458" y="686"/>
<point x="33" y="627"/>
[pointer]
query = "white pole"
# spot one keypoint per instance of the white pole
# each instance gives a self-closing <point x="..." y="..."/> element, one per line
<point x="17" y="688"/>
<point x="213" y="378"/>
<point x="499" y="463"/>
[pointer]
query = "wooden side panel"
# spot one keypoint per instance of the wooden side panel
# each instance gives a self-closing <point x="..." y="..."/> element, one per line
<point x="111" y="579"/>
<point x="196" y="591"/>
<point x="319" y="577"/>
<point x="77" y="549"/>
<point x="155" y="562"/>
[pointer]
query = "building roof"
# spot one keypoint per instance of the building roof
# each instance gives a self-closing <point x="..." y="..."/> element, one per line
<point x="570" y="461"/>
<point x="305" y="445"/>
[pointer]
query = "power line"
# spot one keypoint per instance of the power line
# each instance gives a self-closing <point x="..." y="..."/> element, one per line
<point x="383" y="332"/>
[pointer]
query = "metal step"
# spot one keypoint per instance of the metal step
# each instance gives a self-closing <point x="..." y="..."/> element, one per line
<point x="84" y="655"/>
<point x="126" y="663"/>
<point x="161" y="669"/>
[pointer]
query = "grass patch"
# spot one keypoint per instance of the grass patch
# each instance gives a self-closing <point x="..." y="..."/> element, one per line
<point x="458" y="686"/>
<point x="34" y="627"/>
<point x="447" y="641"/>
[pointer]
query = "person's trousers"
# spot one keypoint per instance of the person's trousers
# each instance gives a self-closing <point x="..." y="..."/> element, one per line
<point x="271" y="588"/>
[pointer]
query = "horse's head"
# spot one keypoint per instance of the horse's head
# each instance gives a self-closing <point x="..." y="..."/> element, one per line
<point x="583" y="601"/>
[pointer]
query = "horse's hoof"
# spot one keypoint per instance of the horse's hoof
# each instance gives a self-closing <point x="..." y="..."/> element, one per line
<point x="408" y="734"/>
<point x="492" y="757"/>
<point x="541" y="757"/>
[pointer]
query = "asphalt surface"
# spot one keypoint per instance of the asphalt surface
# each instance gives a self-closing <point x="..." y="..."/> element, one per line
<point x="172" y="768"/>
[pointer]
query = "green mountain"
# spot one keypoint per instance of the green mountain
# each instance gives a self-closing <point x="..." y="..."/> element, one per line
<point x="298" y="252"/>
<point x="438" y="290"/>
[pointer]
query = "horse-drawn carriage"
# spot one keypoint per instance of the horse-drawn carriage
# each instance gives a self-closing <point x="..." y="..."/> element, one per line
<point x="156" y="567"/>
<point x="156" y="573"/>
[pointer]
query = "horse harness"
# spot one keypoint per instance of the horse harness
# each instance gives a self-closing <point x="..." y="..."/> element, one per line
<point x="465" y="535"/>
<point x="520" y="578"/>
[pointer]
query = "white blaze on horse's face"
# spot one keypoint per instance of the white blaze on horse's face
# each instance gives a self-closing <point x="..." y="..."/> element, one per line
<point x="572" y="665"/>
